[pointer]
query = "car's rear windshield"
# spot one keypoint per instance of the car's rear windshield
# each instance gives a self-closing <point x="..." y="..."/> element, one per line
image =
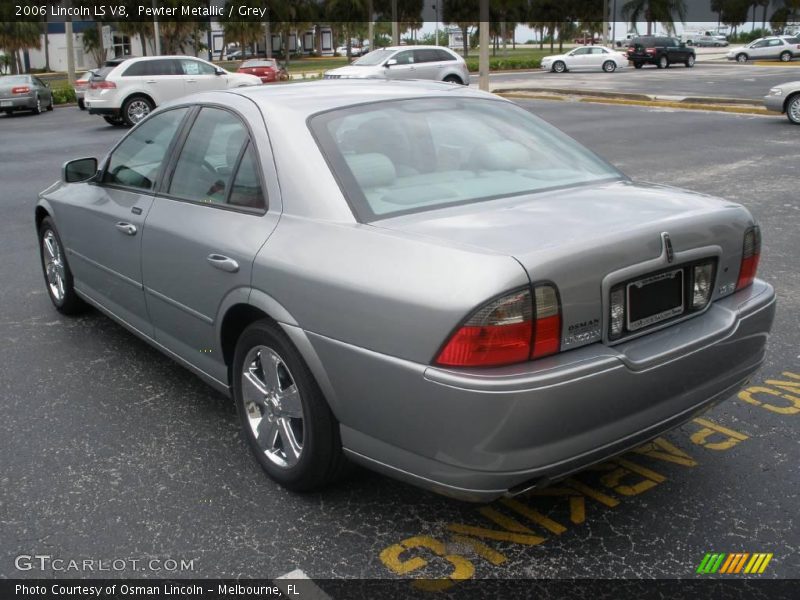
<point x="415" y="155"/>
<point x="375" y="57"/>
<point x="14" y="79"/>
<point x="102" y="72"/>
<point x="258" y="63"/>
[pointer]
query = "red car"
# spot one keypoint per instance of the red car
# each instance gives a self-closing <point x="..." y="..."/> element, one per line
<point x="267" y="69"/>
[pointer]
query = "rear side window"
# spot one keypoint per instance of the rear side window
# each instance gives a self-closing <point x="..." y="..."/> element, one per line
<point x="138" y="69"/>
<point x="443" y="55"/>
<point x="206" y="170"/>
<point x="137" y="160"/>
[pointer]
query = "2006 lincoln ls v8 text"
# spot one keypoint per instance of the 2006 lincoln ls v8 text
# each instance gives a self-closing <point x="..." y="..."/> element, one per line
<point x="418" y="277"/>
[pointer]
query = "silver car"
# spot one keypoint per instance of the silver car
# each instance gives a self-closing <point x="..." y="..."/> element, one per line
<point x="24" y="92"/>
<point x="785" y="98"/>
<point x="421" y="278"/>
<point x="406" y="62"/>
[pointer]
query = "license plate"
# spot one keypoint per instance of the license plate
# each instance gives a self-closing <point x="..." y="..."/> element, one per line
<point x="655" y="298"/>
<point x="6" y="103"/>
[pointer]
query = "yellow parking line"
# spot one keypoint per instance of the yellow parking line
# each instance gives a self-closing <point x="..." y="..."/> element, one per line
<point x="766" y="63"/>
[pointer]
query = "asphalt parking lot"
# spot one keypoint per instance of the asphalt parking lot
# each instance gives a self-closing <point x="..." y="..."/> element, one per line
<point x="110" y="450"/>
<point x="703" y="80"/>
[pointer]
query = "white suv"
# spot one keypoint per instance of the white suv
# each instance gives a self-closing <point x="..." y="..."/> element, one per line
<point x="125" y="91"/>
<point x="406" y="62"/>
<point x="783" y="47"/>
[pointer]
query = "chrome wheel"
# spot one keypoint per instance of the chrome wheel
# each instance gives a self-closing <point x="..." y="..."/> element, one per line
<point x="786" y="56"/>
<point x="54" y="266"/>
<point x="559" y="67"/>
<point x="793" y="110"/>
<point x="137" y="110"/>
<point x="273" y="405"/>
<point x="741" y="58"/>
<point x="609" y="66"/>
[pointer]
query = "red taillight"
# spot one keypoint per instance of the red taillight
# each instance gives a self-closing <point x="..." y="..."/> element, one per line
<point x="507" y="330"/>
<point x="21" y="89"/>
<point x="650" y="50"/>
<point x="102" y="85"/>
<point x="751" y="253"/>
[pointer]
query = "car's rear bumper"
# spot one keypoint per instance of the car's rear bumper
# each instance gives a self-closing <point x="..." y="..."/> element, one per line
<point x="18" y="103"/>
<point x="104" y="111"/>
<point x="477" y="435"/>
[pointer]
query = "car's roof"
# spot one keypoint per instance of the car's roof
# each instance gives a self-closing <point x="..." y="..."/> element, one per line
<point x="414" y="47"/>
<point x="161" y="57"/>
<point x="318" y="96"/>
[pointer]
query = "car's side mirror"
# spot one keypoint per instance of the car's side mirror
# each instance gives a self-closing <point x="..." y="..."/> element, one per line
<point x="219" y="71"/>
<point x="390" y="62"/>
<point x="81" y="169"/>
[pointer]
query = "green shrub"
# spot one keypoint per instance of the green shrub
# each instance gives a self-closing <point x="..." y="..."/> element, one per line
<point x="499" y="63"/>
<point x="64" y="95"/>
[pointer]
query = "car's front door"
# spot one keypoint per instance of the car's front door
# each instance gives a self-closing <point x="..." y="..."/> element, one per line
<point x="103" y="224"/>
<point x="205" y="227"/>
<point x="405" y="68"/>
<point x="200" y="76"/>
<point x="163" y="79"/>
<point x="759" y="49"/>
<point x="578" y="58"/>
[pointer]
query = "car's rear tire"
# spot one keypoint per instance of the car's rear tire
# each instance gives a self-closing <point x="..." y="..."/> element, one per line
<point x="135" y="109"/>
<point x="284" y="416"/>
<point x="57" y="274"/>
<point x="453" y="79"/>
<point x="690" y="62"/>
<point x="741" y="58"/>
<point x="637" y="65"/>
<point x="609" y="66"/>
<point x="559" y="66"/>
<point x="50" y="106"/>
<point x="793" y="109"/>
<point x="37" y="110"/>
<point x="663" y="63"/>
<point x="81" y="105"/>
<point x="785" y="56"/>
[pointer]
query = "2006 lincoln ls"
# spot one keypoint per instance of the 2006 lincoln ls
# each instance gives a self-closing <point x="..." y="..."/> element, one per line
<point x="421" y="278"/>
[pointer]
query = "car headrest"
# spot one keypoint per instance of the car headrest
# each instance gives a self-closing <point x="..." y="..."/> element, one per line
<point x="371" y="170"/>
<point x="501" y="156"/>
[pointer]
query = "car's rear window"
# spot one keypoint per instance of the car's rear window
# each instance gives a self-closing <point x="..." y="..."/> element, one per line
<point x="14" y="79"/>
<point x="258" y="63"/>
<point x="406" y="156"/>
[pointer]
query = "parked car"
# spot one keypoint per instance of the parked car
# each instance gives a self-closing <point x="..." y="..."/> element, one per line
<point x="80" y="87"/>
<point x="709" y="42"/>
<point x="404" y="62"/>
<point x="24" y="92"/>
<point x="129" y="91"/>
<point x="268" y="70"/>
<point x="239" y="55"/>
<point x="785" y="99"/>
<point x="659" y="51"/>
<point x="784" y="48"/>
<point x="585" y="57"/>
<point x="479" y="306"/>
<point x="354" y="51"/>
<point x="703" y="37"/>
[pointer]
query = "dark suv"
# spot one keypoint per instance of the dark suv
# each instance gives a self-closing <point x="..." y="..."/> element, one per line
<point x="659" y="51"/>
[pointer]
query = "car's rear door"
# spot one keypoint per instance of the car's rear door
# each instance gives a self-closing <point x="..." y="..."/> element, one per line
<point x="102" y="222"/>
<point x="208" y="221"/>
<point x="200" y="76"/>
<point x="426" y="64"/>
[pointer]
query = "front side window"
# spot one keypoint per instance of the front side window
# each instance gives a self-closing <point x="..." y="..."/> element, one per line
<point x="404" y="58"/>
<point x="580" y="52"/>
<point x="208" y="160"/>
<point x="421" y="154"/>
<point x="376" y="57"/>
<point x="195" y="67"/>
<point x="136" y="162"/>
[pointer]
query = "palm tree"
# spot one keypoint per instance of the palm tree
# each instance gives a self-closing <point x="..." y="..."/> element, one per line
<point x="16" y="36"/>
<point x="655" y="11"/>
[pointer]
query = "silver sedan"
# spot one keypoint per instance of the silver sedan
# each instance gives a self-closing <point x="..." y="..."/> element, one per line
<point x="785" y="99"/>
<point x="416" y="277"/>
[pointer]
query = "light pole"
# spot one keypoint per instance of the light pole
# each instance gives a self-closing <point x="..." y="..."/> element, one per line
<point x="483" y="41"/>
<point x="436" y="13"/>
<point x="395" y="25"/>
<point x="156" y="32"/>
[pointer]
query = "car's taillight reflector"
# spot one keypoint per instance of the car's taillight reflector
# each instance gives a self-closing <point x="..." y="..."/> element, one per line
<point x="102" y="85"/>
<point x="650" y="50"/>
<point x="21" y="89"/>
<point x="499" y="333"/>
<point x="547" y="326"/>
<point x="513" y="328"/>
<point x="751" y="253"/>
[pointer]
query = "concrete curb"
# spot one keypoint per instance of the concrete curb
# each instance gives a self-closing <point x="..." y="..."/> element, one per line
<point x="631" y="96"/>
<point x="654" y="103"/>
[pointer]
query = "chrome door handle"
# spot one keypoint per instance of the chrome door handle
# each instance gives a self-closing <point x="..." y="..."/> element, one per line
<point x="223" y="263"/>
<point x="151" y="81"/>
<point x="191" y="81"/>
<point x="126" y="228"/>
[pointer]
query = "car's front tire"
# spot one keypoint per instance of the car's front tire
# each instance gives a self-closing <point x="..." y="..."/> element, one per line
<point x="741" y="58"/>
<point x="609" y="66"/>
<point x="57" y="274"/>
<point x="136" y="109"/>
<point x="785" y="56"/>
<point x="793" y="109"/>
<point x="285" y="418"/>
<point x="559" y="66"/>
